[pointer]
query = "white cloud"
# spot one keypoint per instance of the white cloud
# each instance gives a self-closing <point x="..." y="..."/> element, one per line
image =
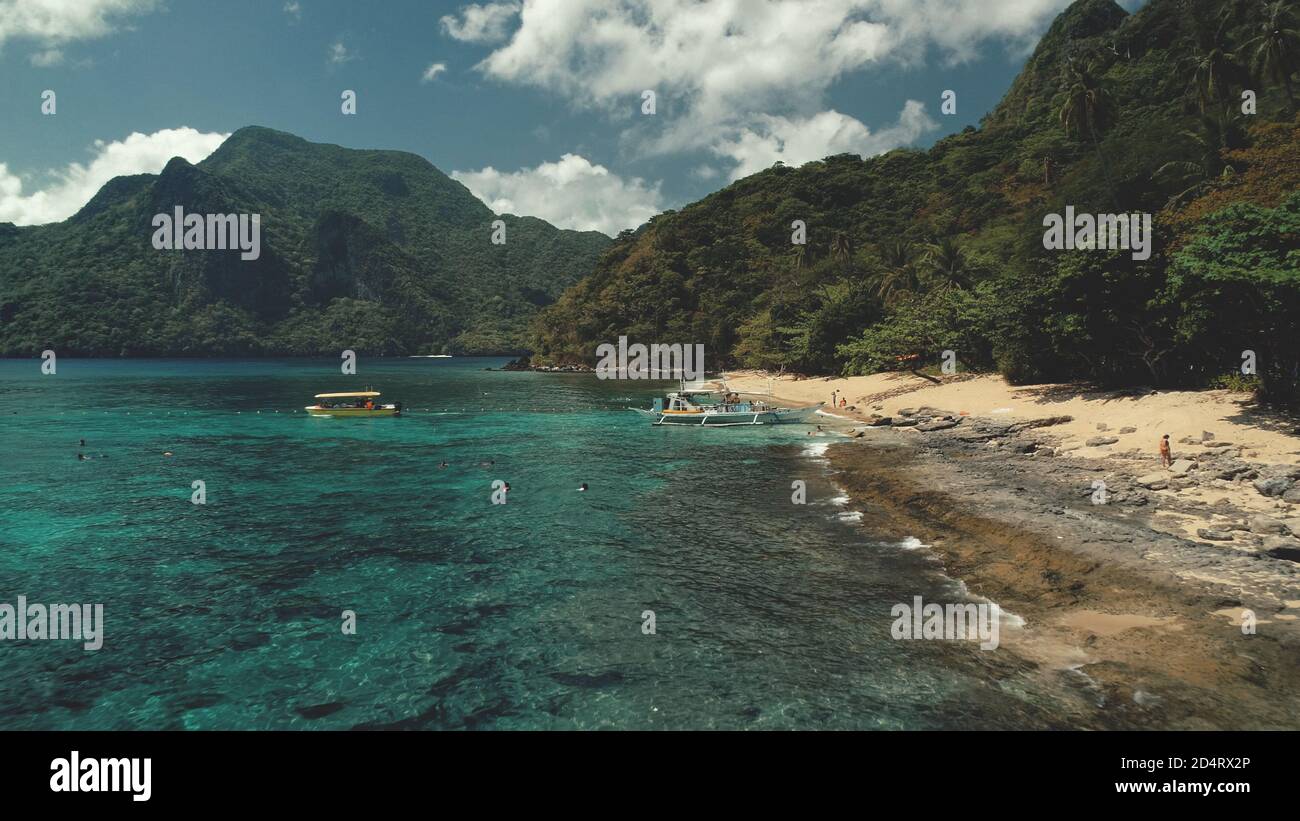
<point x="433" y="71"/>
<point x="798" y="141"/>
<point x="294" y="9"/>
<point x="73" y="186"/>
<point x="60" y="21"/>
<point x="959" y="26"/>
<point x="572" y="193"/>
<point x="339" y="53"/>
<point x="46" y="59"/>
<point x="713" y="65"/>
<point x="485" y="23"/>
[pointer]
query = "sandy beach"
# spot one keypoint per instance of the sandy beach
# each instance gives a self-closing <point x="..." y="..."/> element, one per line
<point x="1140" y="589"/>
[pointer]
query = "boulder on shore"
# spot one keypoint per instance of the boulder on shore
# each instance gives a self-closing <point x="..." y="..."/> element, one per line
<point x="1268" y="525"/>
<point x="939" y="424"/>
<point x="1272" y="487"/>
<point x="1181" y="467"/>
<point x="1098" y="441"/>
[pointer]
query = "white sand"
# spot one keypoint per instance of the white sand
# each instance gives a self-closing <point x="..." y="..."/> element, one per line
<point x="1178" y="413"/>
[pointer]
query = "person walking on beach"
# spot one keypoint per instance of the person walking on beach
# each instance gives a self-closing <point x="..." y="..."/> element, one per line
<point x="1166" y="459"/>
<point x="833" y="405"/>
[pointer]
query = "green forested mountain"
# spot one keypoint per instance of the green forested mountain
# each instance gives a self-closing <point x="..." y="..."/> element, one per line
<point x="915" y="252"/>
<point x="376" y="251"/>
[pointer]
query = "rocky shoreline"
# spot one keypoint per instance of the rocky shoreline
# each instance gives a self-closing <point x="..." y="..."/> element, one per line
<point x="1076" y="547"/>
<point x="1131" y="481"/>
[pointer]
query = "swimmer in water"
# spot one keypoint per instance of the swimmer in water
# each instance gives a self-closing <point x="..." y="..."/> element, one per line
<point x="443" y="465"/>
<point x="167" y="453"/>
<point x="81" y="457"/>
<point x="584" y="487"/>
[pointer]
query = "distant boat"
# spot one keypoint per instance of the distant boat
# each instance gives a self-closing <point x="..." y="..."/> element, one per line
<point x="711" y="407"/>
<point x="359" y="403"/>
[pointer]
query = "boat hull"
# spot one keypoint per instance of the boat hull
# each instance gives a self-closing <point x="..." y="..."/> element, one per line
<point x="384" y="411"/>
<point x="719" y="419"/>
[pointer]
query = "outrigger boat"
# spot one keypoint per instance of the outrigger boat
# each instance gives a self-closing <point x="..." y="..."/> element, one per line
<point x="719" y="407"/>
<point x="359" y="403"/>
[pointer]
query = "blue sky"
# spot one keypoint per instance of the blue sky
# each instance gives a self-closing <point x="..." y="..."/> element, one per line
<point x="535" y="105"/>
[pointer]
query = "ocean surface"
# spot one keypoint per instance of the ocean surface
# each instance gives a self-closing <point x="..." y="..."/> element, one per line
<point x="527" y="615"/>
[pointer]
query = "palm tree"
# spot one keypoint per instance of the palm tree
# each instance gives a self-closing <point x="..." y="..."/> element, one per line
<point x="898" y="274"/>
<point x="1213" y="69"/>
<point x="1277" y="47"/>
<point x="1215" y="136"/>
<point x="842" y="248"/>
<point x="1088" y="110"/>
<point x="945" y="265"/>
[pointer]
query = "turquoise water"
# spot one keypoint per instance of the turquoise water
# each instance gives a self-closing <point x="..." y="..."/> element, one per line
<point x="526" y="615"/>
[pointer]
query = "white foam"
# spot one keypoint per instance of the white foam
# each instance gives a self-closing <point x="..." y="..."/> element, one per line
<point x="849" y="516"/>
<point x="817" y="450"/>
<point x="841" y="500"/>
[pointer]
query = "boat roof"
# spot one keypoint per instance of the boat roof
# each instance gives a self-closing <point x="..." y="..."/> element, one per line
<point x="344" y="395"/>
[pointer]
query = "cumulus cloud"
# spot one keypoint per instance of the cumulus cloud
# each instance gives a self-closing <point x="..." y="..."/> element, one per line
<point x="339" y="53"/>
<point x="61" y="21"/>
<point x="433" y="71"/>
<point x="572" y="193"/>
<point x="46" y="59"/>
<point x="486" y="23"/>
<point x="294" y="10"/>
<point x="797" y="141"/>
<point x="959" y="26"/>
<point x="713" y="65"/>
<point x="72" y="187"/>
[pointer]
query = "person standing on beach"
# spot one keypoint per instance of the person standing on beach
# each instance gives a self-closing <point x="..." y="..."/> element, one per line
<point x="1166" y="458"/>
<point x="833" y="405"/>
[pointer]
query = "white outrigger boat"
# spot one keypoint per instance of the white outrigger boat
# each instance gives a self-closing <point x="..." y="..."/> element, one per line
<point x="352" y="403"/>
<point x="719" y="407"/>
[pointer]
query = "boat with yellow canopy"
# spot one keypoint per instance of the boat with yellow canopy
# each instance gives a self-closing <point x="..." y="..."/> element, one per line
<point x="356" y="403"/>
